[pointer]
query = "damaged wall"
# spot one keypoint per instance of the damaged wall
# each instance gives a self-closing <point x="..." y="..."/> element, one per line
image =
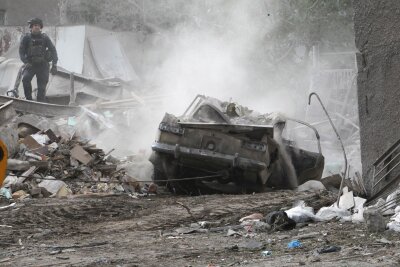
<point x="18" y="12"/>
<point x="377" y="37"/>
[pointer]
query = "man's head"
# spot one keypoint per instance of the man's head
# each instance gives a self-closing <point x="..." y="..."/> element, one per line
<point x="35" y="25"/>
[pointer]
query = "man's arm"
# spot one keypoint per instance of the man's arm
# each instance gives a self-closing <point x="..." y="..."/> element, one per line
<point x="22" y="49"/>
<point x="52" y="50"/>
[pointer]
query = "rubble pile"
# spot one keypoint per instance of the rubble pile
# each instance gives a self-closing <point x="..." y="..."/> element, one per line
<point x="60" y="165"/>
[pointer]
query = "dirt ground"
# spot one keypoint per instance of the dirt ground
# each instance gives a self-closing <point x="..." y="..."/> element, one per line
<point x="120" y="230"/>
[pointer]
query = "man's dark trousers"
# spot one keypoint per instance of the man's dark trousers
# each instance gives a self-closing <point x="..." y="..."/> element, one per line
<point x="41" y="71"/>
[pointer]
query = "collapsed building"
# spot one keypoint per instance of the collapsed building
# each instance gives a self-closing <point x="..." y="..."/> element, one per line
<point x="94" y="82"/>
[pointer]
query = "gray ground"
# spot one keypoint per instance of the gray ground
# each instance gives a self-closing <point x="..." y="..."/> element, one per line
<point x="124" y="231"/>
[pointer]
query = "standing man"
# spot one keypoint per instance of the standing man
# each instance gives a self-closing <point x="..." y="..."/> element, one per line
<point x="36" y="50"/>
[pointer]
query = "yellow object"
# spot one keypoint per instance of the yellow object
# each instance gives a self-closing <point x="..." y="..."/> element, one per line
<point x="3" y="162"/>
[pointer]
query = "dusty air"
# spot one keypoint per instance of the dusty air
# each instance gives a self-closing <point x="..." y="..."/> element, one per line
<point x="199" y="133"/>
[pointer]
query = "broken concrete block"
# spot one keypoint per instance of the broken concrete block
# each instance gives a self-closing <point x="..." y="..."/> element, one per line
<point x="56" y="187"/>
<point x="81" y="155"/>
<point x="64" y="191"/>
<point x="73" y="162"/>
<point x="312" y="186"/>
<point x="375" y="221"/>
<point x="18" y="165"/>
<point x="36" y="192"/>
<point x="333" y="180"/>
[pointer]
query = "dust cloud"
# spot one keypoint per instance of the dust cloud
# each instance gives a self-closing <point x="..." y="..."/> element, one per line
<point x="223" y="49"/>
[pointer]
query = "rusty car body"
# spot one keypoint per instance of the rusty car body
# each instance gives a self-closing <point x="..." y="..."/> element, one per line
<point x="220" y="147"/>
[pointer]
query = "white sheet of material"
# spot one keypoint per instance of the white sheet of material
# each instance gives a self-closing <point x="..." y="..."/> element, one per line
<point x="110" y="58"/>
<point x="70" y="42"/>
<point x="8" y="74"/>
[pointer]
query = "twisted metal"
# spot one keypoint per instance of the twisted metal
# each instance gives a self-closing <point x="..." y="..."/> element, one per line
<point x="340" y="140"/>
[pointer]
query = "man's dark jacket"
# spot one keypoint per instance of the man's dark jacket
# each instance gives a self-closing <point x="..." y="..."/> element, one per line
<point x="30" y="40"/>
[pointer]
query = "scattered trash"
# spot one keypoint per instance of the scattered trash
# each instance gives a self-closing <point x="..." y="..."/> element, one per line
<point x="80" y="167"/>
<point x="6" y="193"/>
<point x="300" y="213"/>
<point x="279" y="220"/>
<point x="329" y="249"/>
<point x="255" y="226"/>
<point x="254" y="216"/>
<point x="266" y="253"/>
<point x="329" y="213"/>
<point x="294" y="244"/>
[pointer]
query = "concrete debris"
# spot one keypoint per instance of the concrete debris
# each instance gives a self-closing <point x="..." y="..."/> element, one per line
<point x="375" y="221"/>
<point x="54" y="186"/>
<point x="81" y="155"/>
<point x="18" y="165"/>
<point x="311" y="185"/>
<point x="51" y="165"/>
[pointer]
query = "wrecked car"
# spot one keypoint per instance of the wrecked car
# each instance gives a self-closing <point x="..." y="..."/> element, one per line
<point x="223" y="147"/>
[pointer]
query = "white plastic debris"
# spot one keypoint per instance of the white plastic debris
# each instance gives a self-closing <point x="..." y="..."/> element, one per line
<point x="10" y="180"/>
<point x="329" y="213"/>
<point x="394" y="223"/>
<point x="252" y="217"/>
<point x="391" y="204"/>
<point x="301" y="213"/>
<point x="397" y="210"/>
<point x="346" y="200"/>
<point x="358" y="215"/>
<point x="312" y="185"/>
